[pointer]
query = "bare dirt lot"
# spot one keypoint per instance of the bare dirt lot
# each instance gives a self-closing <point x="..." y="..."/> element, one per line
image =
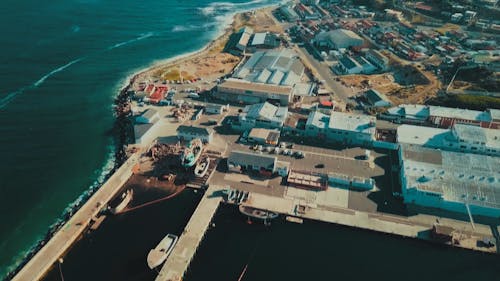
<point x="406" y="83"/>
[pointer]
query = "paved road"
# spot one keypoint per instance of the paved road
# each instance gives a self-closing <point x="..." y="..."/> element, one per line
<point x="325" y="74"/>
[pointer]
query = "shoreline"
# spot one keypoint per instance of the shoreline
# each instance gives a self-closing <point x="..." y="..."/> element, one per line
<point x="121" y="137"/>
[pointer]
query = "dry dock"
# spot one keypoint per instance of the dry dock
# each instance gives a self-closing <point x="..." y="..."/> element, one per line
<point x="185" y="249"/>
<point x="36" y="268"/>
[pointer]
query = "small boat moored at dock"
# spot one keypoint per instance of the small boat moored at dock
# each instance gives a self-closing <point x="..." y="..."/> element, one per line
<point x="159" y="254"/>
<point x="202" y="167"/>
<point x="257" y="213"/>
<point x="191" y="153"/>
<point x="126" y="197"/>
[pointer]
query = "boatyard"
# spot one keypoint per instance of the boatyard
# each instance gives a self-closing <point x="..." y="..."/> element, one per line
<point x="274" y="155"/>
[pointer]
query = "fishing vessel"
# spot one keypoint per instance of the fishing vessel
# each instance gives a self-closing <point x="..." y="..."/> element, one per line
<point x="257" y="213"/>
<point x="202" y="167"/>
<point x="191" y="153"/>
<point x="159" y="254"/>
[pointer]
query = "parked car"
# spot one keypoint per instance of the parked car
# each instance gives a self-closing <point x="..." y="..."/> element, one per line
<point x="319" y="166"/>
<point x="299" y="154"/>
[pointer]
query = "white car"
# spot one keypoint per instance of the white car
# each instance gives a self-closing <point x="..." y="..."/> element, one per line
<point x="260" y="148"/>
<point x="282" y="144"/>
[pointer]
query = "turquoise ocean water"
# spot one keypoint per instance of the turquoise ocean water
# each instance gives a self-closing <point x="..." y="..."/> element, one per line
<point x="61" y="64"/>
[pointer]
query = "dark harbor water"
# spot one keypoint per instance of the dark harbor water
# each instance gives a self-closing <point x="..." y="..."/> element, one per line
<point x="117" y="250"/>
<point x="62" y="63"/>
<point x="283" y="251"/>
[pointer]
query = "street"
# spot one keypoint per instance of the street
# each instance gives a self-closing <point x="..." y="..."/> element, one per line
<point x="325" y="74"/>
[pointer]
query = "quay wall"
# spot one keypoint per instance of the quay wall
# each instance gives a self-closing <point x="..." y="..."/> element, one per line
<point x="59" y="244"/>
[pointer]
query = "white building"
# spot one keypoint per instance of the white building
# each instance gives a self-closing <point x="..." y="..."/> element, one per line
<point x="377" y="59"/>
<point x="188" y="133"/>
<point x="213" y="108"/>
<point x="452" y="181"/>
<point x="148" y="116"/>
<point x="443" y="117"/>
<point x="277" y="67"/>
<point x="262" y="115"/>
<point x="338" y="39"/>
<point x="341" y="127"/>
<point x="144" y="133"/>
<point x="144" y="126"/>
<point x="242" y="91"/>
<point x="242" y="161"/>
<point x="461" y="137"/>
<point x="264" y="136"/>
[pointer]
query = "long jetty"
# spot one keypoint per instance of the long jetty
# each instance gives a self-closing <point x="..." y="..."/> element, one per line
<point x="58" y="245"/>
<point x="179" y="259"/>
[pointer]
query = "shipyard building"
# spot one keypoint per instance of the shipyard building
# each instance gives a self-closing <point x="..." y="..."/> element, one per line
<point x="338" y="39"/>
<point x="452" y="181"/>
<point x="275" y="67"/>
<point x="461" y="138"/>
<point x="241" y="91"/>
<point x="341" y="127"/>
<point x="442" y="117"/>
<point x="262" y="115"/>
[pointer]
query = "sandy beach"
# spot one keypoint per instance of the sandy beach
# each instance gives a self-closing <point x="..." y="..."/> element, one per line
<point x="209" y="62"/>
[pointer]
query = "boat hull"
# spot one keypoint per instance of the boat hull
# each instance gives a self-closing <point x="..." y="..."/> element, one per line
<point x="159" y="254"/>
<point x="257" y="213"/>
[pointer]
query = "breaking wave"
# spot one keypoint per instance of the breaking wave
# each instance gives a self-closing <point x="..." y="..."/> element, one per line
<point x="216" y="8"/>
<point x="10" y="97"/>
<point x="190" y="27"/>
<point x="143" y="36"/>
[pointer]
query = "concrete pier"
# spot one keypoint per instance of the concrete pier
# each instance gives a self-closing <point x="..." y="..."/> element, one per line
<point x="185" y="249"/>
<point x="386" y="223"/>
<point x="62" y="240"/>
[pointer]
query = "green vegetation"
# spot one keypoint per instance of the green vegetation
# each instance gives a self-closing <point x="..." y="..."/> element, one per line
<point x="467" y="101"/>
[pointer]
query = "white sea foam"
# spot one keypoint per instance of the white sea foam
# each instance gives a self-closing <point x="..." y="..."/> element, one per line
<point x="143" y="36"/>
<point x="6" y="100"/>
<point x="59" y="69"/>
<point x="215" y="8"/>
<point x="10" y="97"/>
<point x="190" y="27"/>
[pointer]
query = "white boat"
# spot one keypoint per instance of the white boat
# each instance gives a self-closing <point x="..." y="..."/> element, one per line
<point x="191" y="153"/>
<point x="126" y="197"/>
<point x="159" y="254"/>
<point x="202" y="167"/>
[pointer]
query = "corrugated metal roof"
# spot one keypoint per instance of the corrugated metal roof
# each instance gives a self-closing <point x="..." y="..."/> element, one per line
<point x="253" y="159"/>
<point x="459" y="177"/>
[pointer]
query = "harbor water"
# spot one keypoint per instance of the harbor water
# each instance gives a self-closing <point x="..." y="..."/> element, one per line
<point x="62" y="63"/>
<point x="281" y="251"/>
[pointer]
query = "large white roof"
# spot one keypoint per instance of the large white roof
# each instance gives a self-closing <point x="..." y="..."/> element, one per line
<point x="470" y="133"/>
<point x="352" y="122"/>
<point x="419" y="135"/>
<point x="459" y="113"/>
<point x="458" y="177"/>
